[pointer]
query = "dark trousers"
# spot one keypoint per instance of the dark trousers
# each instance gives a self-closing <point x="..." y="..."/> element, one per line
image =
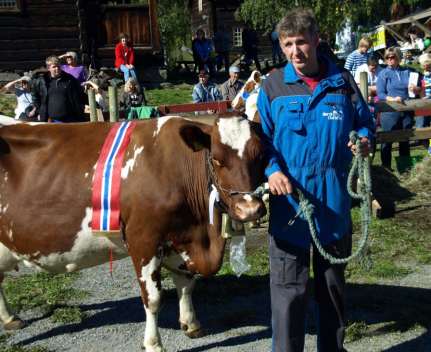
<point x="290" y="290"/>
<point x="223" y="58"/>
<point x="391" y="121"/>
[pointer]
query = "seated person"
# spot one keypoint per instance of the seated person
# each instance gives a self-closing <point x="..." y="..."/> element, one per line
<point x="232" y="86"/>
<point x="100" y="95"/>
<point x="205" y="91"/>
<point x="21" y="88"/>
<point x="373" y="69"/>
<point x="125" y="57"/>
<point x="72" y="67"/>
<point x="132" y="97"/>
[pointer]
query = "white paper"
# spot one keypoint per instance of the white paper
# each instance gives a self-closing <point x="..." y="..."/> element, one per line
<point x="413" y="81"/>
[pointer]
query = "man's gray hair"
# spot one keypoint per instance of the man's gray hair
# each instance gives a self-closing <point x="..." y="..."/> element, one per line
<point x="297" y="21"/>
<point x="52" y="60"/>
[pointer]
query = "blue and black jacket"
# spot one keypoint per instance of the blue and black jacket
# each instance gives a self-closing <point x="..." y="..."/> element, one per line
<point x="307" y="135"/>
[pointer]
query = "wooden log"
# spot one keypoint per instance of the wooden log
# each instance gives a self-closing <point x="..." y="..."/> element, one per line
<point x="404" y="135"/>
<point x="408" y="105"/>
<point x="218" y="106"/>
<point x="92" y="104"/>
<point x="113" y="103"/>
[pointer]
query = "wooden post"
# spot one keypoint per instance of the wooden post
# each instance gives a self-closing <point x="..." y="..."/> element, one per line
<point x="92" y="104"/>
<point x="363" y="85"/>
<point x="113" y="105"/>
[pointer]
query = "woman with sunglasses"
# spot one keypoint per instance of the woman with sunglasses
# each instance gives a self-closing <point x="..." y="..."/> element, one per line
<point x="393" y="85"/>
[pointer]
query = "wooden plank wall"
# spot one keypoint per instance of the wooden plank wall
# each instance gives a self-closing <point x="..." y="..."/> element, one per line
<point x="43" y="28"/>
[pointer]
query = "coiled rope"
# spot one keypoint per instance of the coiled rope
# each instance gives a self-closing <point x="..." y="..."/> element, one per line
<point x="361" y="169"/>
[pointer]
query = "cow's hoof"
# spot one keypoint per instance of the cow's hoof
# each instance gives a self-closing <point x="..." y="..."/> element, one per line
<point x="15" y="324"/>
<point x="193" y="334"/>
<point x="153" y="348"/>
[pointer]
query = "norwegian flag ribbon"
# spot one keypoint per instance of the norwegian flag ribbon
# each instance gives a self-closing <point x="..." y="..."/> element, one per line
<point x="107" y="179"/>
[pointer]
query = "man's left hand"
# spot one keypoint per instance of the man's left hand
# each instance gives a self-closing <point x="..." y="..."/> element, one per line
<point x="365" y="146"/>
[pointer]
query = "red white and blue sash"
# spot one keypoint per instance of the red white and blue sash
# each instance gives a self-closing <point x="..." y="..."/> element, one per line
<point x="107" y="180"/>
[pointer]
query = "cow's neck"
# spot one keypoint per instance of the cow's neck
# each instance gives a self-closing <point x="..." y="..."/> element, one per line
<point x="196" y="186"/>
<point x="207" y="258"/>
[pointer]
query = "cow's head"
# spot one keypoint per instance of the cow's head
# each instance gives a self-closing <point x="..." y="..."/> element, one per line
<point x="234" y="161"/>
<point x="246" y="99"/>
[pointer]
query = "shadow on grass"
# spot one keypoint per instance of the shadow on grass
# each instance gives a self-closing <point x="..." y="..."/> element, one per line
<point x="226" y="302"/>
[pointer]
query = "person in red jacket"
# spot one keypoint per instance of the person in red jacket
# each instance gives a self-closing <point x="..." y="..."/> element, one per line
<point x="125" y="57"/>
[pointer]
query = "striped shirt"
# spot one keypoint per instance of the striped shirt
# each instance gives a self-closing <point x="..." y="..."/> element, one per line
<point x="354" y="60"/>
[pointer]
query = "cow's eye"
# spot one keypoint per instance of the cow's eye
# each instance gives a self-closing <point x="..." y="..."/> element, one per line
<point x="216" y="162"/>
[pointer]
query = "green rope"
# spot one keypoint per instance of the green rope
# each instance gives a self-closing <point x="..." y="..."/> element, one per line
<point x="361" y="168"/>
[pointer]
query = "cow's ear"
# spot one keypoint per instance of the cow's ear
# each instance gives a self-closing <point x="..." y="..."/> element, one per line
<point x="196" y="137"/>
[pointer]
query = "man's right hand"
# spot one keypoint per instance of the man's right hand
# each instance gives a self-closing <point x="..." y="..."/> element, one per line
<point x="279" y="184"/>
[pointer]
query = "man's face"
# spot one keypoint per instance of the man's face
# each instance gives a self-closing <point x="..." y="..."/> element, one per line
<point x="300" y="50"/>
<point x="203" y="78"/>
<point x="372" y="68"/>
<point x="233" y="76"/>
<point x="427" y="67"/>
<point x="54" y="70"/>
<point x="124" y="41"/>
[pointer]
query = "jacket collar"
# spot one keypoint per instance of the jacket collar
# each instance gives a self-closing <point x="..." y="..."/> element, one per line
<point x="333" y="78"/>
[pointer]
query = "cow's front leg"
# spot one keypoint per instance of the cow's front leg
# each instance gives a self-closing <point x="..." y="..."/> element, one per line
<point x="148" y="272"/>
<point x="10" y="322"/>
<point x="188" y="321"/>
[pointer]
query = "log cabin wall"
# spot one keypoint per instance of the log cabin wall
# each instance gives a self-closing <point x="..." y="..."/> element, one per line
<point x="37" y="29"/>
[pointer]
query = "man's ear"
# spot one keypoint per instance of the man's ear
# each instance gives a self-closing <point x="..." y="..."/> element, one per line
<point x="196" y="137"/>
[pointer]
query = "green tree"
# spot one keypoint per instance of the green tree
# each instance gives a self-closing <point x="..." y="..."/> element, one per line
<point x="174" y="22"/>
<point x="330" y="14"/>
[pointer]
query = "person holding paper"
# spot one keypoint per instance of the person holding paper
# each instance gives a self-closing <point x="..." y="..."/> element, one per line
<point x="396" y="84"/>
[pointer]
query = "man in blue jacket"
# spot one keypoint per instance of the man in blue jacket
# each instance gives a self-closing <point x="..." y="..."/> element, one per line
<point x="307" y="110"/>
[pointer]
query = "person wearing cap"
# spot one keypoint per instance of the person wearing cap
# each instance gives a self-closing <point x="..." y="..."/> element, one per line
<point x="21" y="88"/>
<point x="205" y="91"/>
<point x="232" y="86"/>
<point x="71" y="67"/>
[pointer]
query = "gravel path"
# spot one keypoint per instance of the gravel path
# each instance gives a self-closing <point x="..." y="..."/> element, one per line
<point x="236" y="319"/>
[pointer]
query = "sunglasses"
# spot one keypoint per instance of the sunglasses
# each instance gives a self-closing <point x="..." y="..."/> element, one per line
<point x="393" y="57"/>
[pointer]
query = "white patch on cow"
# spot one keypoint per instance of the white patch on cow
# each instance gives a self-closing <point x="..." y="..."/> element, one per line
<point x="130" y="163"/>
<point x="87" y="251"/>
<point x="10" y="234"/>
<point x="247" y="197"/>
<point x="8" y="121"/>
<point x="235" y="133"/>
<point x="160" y="122"/>
<point x="251" y="106"/>
<point x="86" y="175"/>
<point x="71" y="267"/>
<point x="146" y="277"/>
<point x="5" y="176"/>
<point x="3" y="209"/>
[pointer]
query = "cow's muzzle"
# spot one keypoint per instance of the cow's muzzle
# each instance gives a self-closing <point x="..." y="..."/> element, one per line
<point x="248" y="208"/>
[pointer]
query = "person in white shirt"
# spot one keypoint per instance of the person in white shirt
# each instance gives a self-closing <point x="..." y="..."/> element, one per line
<point x="21" y="88"/>
<point x="372" y="68"/>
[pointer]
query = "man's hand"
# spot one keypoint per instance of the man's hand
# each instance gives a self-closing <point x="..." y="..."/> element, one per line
<point x="365" y="146"/>
<point x="279" y="184"/>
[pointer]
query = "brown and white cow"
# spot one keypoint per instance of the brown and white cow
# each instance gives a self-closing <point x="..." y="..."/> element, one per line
<point x="246" y="99"/>
<point x="46" y="173"/>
